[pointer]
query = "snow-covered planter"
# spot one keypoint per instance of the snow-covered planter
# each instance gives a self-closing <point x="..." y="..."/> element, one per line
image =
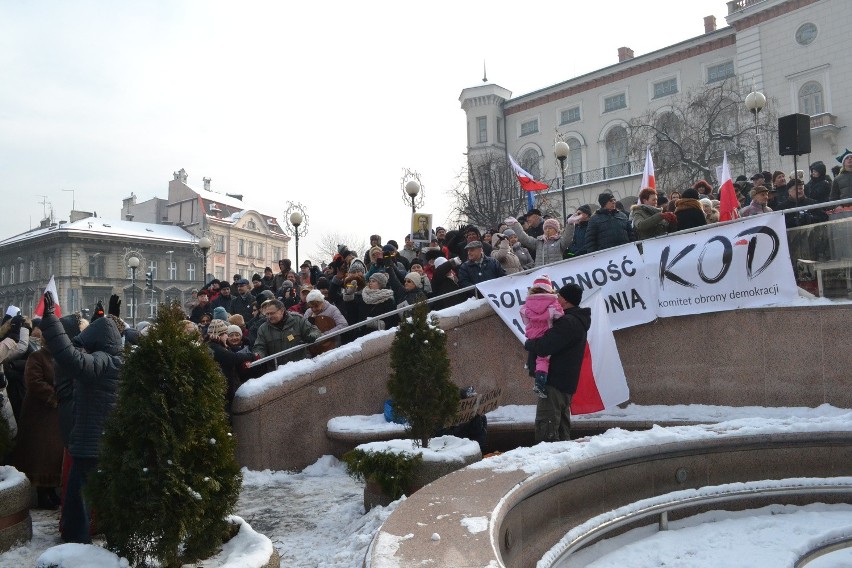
<point x="247" y="549"/>
<point x="444" y="455"/>
<point x="16" y="524"/>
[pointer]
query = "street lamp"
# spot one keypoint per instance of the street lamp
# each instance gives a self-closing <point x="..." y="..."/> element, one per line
<point x="133" y="264"/>
<point x="561" y="150"/>
<point x="296" y="218"/>
<point x="204" y="244"/>
<point x="754" y="102"/>
<point x="412" y="189"/>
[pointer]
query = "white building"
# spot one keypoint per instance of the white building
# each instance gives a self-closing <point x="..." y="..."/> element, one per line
<point x="791" y="50"/>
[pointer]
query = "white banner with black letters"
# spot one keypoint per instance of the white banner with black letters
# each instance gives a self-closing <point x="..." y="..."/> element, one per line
<point x="734" y="265"/>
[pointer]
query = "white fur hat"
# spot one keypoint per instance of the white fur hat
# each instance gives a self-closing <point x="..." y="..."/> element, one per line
<point x="314" y="296"/>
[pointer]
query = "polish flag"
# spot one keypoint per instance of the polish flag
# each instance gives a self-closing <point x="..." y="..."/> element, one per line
<point x="648" y="173"/>
<point x="526" y="180"/>
<point x="728" y="204"/>
<point x="51" y="287"/>
<point x="602" y="382"/>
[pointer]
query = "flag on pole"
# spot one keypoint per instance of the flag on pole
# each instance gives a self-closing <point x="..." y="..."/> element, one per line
<point x="648" y="173"/>
<point x="526" y="180"/>
<point x="602" y="382"/>
<point x="51" y="287"/>
<point x="728" y="204"/>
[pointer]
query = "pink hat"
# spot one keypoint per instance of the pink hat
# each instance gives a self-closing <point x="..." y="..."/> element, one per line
<point x="552" y="223"/>
<point x="543" y="283"/>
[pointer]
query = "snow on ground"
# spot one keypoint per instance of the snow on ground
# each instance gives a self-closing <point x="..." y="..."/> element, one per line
<point x="315" y="518"/>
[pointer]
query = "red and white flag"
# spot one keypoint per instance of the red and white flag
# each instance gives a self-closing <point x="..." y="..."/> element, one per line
<point x="526" y="180"/>
<point x="602" y="382"/>
<point x="648" y="173"/>
<point x="728" y="204"/>
<point x="51" y="287"/>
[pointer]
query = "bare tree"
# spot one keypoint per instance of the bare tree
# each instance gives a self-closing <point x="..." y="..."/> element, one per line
<point x="329" y="244"/>
<point x="486" y="192"/>
<point x="688" y="137"/>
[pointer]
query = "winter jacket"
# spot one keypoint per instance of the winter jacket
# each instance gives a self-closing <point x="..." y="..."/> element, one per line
<point x="689" y="213"/>
<point x="329" y="310"/>
<point x="578" y="245"/>
<point x="63" y="382"/>
<point x="818" y="188"/>
<point x="199" y="310"/>
<point x="524" y="256"/>
<point x="608" y="228"/>
<point x="565" y="343"/>
<point x="470" y="272"/>
<point x="242" y="305"/>
<point x="231" y="362"/>
<point x="754" y="208"/>
<point x="505" y="255"/>
<point x="841" y="188"/>
<point x="539" y="312"/>
<point x="292" y="330"/>
<point x="402" y="296"/>
<point x="546" y="251"/>
<point x="648" y="221"/>
<point x="95" y="374"/>
<point x="443" y="282"/>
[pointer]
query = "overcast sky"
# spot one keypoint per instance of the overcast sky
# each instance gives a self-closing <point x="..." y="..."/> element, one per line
<point x="321" y="103"/>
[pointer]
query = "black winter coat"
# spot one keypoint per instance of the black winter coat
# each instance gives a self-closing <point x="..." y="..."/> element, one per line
<point x="608" y="228"/>
<point x="690" y="214"/>
<point x="242" y="305"/>
<point x="565" y="342"/>
<point x="95" y="374"/>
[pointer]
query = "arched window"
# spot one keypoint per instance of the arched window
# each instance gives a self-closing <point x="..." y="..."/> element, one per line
<point x="616" y="152"/>
<point x="531" y="161"/>
<point x="574" y="164"/>
<point x="810" y="99"/>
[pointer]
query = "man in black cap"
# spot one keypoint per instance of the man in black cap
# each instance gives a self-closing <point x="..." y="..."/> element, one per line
<point x="565" y="343"/>
<point x="608" y="227"/>
<point x="534" y="227"/>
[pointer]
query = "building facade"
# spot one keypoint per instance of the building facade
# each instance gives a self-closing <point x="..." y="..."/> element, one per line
<point x="788" y="49"/>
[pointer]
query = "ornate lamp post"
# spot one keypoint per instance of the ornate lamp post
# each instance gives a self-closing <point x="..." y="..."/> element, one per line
<point x="561" y="150"/>
<point x="296" y="218"/>
<point x="412" y="190"/>
<point x="754" y="102"/>
<point x="133" y="264"/>
<point x="204" y="244"/>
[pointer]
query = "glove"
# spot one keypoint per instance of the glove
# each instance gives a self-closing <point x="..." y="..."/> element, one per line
<point x="99" y="311"/>
<point x="115" y="306"/>
<point x="670" y="217"/>
<point x="456" y="260"/>
<point x="49" y="304"/>
<point x="27" y="323"/>
<point x="574" y="219"/>
<point x="15" y="331"/>
<point x="510" y="220"/>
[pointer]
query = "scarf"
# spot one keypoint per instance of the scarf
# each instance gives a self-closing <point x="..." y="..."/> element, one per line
<point x="373" y="297"/>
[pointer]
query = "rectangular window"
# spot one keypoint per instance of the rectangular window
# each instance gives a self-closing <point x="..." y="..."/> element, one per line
<point x="2" y="276"/>
<point x="97" y="262"/>
<point x="720" y="72"/>
<point x="276" y="254"/>
<point x="241" y="248"/>
<point x="260" y="251"/>
<point x="482" y="129"/>
<point x="172" y="270"/>
<point x="12" y="274"/>
<point x="569" y="115"/>
<point x="615" y="102"/>
<point x="251" y="248"/>
<point x="152" y="268"/>
<point x="190" y="271"/>
<point x="32" y="270"/>
<point x="219" y="241"/>
<point x="501" y="130"/>
<point x="529" y="127"/>
<point x="665" y="88"/>
<point x="220" y="272"/>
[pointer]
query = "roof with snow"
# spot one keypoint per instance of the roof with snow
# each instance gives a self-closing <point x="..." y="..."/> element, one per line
<point x="99" y="226"/>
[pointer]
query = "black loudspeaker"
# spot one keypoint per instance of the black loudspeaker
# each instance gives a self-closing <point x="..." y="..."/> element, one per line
<point x="794" y="135"/>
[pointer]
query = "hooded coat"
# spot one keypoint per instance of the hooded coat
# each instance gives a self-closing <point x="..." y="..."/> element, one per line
<point x="648" y="221"/>
<point x="95" y="375"/>
<point x="818" y="188"/>
<point x="690" y="214"/>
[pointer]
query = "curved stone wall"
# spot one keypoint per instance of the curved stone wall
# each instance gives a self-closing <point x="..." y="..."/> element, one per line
<point x="756" y="357"/>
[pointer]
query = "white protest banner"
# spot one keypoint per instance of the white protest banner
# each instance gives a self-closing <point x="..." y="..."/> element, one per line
<point x="627" y="292"/>
<point x="741" y="264"/>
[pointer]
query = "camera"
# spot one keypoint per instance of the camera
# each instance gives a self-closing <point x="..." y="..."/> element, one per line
<point x="389" y="259"/>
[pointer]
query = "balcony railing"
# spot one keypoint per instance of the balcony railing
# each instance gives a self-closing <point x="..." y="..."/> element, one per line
<point x="823" y="119"/>
<point x="737" y="5"/>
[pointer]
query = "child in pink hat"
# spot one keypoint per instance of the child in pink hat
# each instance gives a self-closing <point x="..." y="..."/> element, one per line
<point x="538" y="312"/>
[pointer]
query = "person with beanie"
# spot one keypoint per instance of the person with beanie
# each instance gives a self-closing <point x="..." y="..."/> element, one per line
<point x="538" y="313"/>
<point x="578" y="244"/>
<point x="551" y="244"/>
<point x="608" y="227"/>
<point x="689" y="212"/>
<point x="649" y="221"/>
<point x="408" y="292"/>
<point x="232" y="356"/>
<point x="220" y="313"/>
<point x="841" y="187"/>
<point x="287" y="294"/>
<point x="818" y="187"/>
<point x="565" y="344"/>
<point x="223" y="299"/>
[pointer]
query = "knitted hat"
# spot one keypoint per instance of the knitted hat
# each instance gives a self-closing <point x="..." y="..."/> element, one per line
<point x="315" y="296"/>
<point x="508" y="233"/>
<point x="234" y="329"/>
<point x="264" y="296"/>
<point x="585" y="209"/>
<point x="322" y="283"/>
<point x="690" y="193"/>
<point x="543" y="283"/>
<point x="256" y="277"/>
<point x="357" y="266"/>
<point x="605" y="198"/>
<point x="552" y="223"/>
<point x="237" y="319"/>
<point x="220" y="313"/>
<point x="119" y="323"/>
<point x="572" y="293"/>
<point x="286" y="284"/>
<point x="758" y="175"/>
<point x="381" y="278"/>
<point x="439" y="261"/>
<point x="216" y="328"/>
<point x="842" y="156"/>
<point x="414" y="277"/>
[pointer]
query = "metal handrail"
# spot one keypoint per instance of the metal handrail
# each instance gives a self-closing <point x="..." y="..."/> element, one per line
<point x="663" y="509"/>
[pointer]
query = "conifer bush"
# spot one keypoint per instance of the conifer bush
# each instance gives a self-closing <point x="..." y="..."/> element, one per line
<point x="419" y="383"/>
<point x="167" y="477"/>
